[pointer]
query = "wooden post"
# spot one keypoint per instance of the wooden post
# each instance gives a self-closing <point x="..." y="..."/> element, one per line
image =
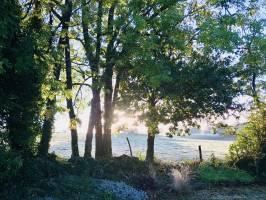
<point x="129" y="147"/>
<point x="200" y="154"/>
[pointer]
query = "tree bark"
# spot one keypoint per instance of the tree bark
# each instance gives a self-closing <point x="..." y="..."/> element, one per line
<point x="94" y="122"/>
<point x="47" y="128"/>
<point x="69" y="85"/>
<point x="71" y="112"/>
<point x="152" y="124"/>
<point x="89" y="134"/>
<point x="50" y="113"/>
<point x="95" y="112"/>
<point x="116" y="90"/>
<point x="98" y="126"/>
<point x="108" y="94"/>
<point x="108" y="85"/>
<point x="150" y="146"/>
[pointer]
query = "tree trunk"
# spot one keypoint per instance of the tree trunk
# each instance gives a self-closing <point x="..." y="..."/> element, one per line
<point x="47" y="128"/>
<point x="150" y="146"/>
<point x="108" y="84"/>
<point x="89" y="135"/>
<point x="71" y="112"/>
<point x="94" y="122"/>
<point x="152" y="124"/>
<point x="50" y="113"/>
<point x="108" y="111"/>
<point x="95" y="113"/>
<point x="98" y="127"/>
<point x="69" y="85"/>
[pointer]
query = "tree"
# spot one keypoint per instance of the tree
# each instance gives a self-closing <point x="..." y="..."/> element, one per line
<point x="187" y="78"/>
<point x="52" y="83"/>
<point x="22" y="74"/>
<point x="108" y="39"/>
<point x="182" y="93"/>
<point x="67" y="12"/>
<point x="95" y="120"/>
<point x="248" y="152"/>
<point x="252" y="62"/>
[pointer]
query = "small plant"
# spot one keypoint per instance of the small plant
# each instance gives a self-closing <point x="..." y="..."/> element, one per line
<point x="140" y="155"/>
<point x="108" y="196"/>
<point x="215" y="162"/>
<point x="180" y="179"/>
<point x="10" y="164"/>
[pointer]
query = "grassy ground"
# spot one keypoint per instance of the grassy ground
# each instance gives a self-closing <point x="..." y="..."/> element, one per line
<point x="52" y="179"/>
<point x="60" y="179"/>
<point x="220" y="175"/>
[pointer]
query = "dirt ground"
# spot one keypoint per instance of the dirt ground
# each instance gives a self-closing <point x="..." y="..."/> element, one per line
<point x="226" y="193"/>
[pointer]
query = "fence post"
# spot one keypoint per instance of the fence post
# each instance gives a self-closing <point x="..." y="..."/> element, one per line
<point x="129" y="147"/>
<point x="200" y="154"/>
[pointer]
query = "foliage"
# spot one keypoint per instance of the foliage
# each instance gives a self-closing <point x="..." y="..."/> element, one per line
<point x="172" y="61"/>
<point x="21" y="76"/>
<point x="248" y="152"/>
<point x="48" y="179"/>
<point x="10" y="165"/>
<point x="108" y="196"/>
<point x="180" y="73"/>
<point x="184" y="92"/>
<point x="140" y="155"/>
<point x="223" y="175"/>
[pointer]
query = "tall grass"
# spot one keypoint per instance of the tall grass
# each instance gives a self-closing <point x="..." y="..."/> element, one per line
<point x="181" y="179"/>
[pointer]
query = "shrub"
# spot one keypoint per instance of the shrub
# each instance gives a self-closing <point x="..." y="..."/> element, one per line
<point x="248" y="152"/>
<point x="180" y="179"/>
<point x="10" y="164"/>
<point x="140" y="155"/>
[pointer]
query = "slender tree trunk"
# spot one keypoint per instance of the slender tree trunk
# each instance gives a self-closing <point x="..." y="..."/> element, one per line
<point x="47" y="128"/>
<point x="150" y="146"/>
<point x="89" y="54"/>
<point x="71" y="112"/>
<point x="108" y="111"/>
<point x="98" y="127"/>
<point x="69" y="85"/>
<point x="110" y="100"/>
<point x="95" y="120"/>
<point x="89" y="135"/>
<point x="98" y="123"/>
<point x="116" y="90"/>
<point x="50" y="113"/>
<point x="254" y="90"/>
<point x="152" y="124"/>
<point x="108" y="84"/>
<point x="48" y="123"/>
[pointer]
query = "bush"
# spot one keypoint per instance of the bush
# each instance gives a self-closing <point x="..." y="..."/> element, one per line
<point x="248" y="152"/>
<point x="181" y="179"/>
<point x="10" y="164"/>
<point x="48" y="179"/>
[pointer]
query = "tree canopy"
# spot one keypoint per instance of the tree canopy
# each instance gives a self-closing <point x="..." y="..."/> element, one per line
<point x="175" y="61"/>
